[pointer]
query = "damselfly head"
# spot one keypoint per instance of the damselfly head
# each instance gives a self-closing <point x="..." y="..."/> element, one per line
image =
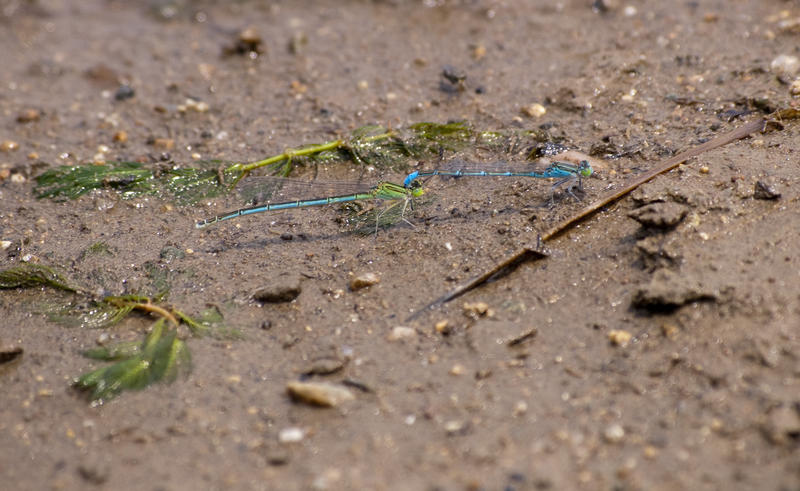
<point x="585" y="169"/>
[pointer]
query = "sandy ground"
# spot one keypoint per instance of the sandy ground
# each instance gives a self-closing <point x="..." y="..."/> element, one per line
<point x="657" y="347"/>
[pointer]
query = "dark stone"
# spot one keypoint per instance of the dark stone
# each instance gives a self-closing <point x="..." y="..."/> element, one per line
<point x="284" y="289"/>
<point x="660" y="214"/>
<point x="669" y="290"/>
<point x="124" y="91"/>
<point x="766" y="190"/>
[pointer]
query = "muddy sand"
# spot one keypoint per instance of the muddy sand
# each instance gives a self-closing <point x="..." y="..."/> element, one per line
<point x="656" y="346"/>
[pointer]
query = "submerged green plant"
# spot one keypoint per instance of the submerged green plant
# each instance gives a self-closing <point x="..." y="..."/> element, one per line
<point x="28" y="275"/>
<point x="373" y="145"/>
<point x="161" y="357"/>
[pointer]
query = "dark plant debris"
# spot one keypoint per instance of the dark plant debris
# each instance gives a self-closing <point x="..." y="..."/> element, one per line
<point x="33" y="275"/>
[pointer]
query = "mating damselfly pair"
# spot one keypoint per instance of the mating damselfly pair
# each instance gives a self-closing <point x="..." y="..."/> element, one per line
<point x="277" y="191"/>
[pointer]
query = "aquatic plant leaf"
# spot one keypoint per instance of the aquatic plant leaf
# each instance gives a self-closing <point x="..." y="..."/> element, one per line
<point x="208" y="322"/>
<point x="95" y="250"/>
<point x="117" y="351"/>
<point x="169" y="355"/>
<point x="103" y="315"/>
<point x="33" y="275"/>
<point x="451" y="136"/>
<point x="159" y="277"/>
<point x="98" y="314"/>
<point x="72" y="181"/>
<point x="191" y="185"/>
<point x="160" y="358"/>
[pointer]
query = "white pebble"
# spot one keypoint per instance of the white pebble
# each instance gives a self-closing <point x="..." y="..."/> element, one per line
<point x="785" y="65"/>
<point x="292" y="434"/>
<point x="401" y="332"/>
<point x="364" y="280"/>
<point x="614" y="433"/>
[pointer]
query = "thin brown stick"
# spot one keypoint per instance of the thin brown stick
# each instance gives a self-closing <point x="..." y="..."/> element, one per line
<point x="498" y="269"/>
<point x="527" y="253"/>
<point x="666" y="166"/>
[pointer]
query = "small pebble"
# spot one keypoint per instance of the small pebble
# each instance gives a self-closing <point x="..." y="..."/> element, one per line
<point x="298" y="87"/>
<point x="249" y="35"/>
<point x="785" y="65"/>
<point x="535" y="110"/>
<point x="454" y="75"/>
<point x="17" y="178"/>
<point x="277" y="456"/>
<point x="454" y="427"/>
<point x="124" y="91"/>
<point x="478" y="51"/>
<point x="458" y="369"/>
<point x="120" y="136"/>
<point x="620" y="338"/>
<point x="650" y="452"/>
<point x="363" y="281"/>
<point x="478" y="309"/>
<point x="193" y="105"/>
<point x="605" y="5"/>
<point x="8" y="146"/>
<point x="94" y="472"/>
<point x="292" y="434"/>
<point x="163" y="143"/>
<point x="319" y="393"/>
<point x="794" y="89"/>
<point x="443" y="327"/>
<point x="765" y="190"/>
<point x="5" y="244"/>
<point x="401" y="332"/>
<point x="789" y="24"/>
<point x="28" y="115"/>
<point x="628" y="96"/>
<point x="248" y="42"/>
<point x="614" y="433"/>
<point x="670" y="331"/>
